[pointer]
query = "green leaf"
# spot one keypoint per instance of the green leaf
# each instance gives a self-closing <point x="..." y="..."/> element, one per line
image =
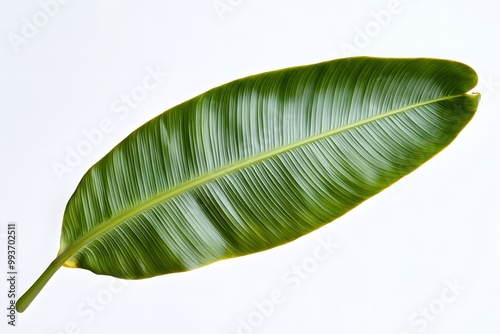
<point x="259" y="162"/>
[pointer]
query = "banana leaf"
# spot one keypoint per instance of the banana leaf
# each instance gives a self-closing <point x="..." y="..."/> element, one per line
<point x="259" y="162"/>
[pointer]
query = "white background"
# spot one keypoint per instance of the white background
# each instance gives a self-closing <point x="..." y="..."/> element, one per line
<point x="396" y="254"/>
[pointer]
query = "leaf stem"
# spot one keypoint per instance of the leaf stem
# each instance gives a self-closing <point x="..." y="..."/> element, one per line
<point x="26" y="299"/>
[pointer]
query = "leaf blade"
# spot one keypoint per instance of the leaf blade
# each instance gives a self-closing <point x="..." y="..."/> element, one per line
<point x="189" y="144"/>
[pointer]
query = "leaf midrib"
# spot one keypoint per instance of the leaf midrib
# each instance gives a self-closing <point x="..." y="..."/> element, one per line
<point x="191" y="184"/>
